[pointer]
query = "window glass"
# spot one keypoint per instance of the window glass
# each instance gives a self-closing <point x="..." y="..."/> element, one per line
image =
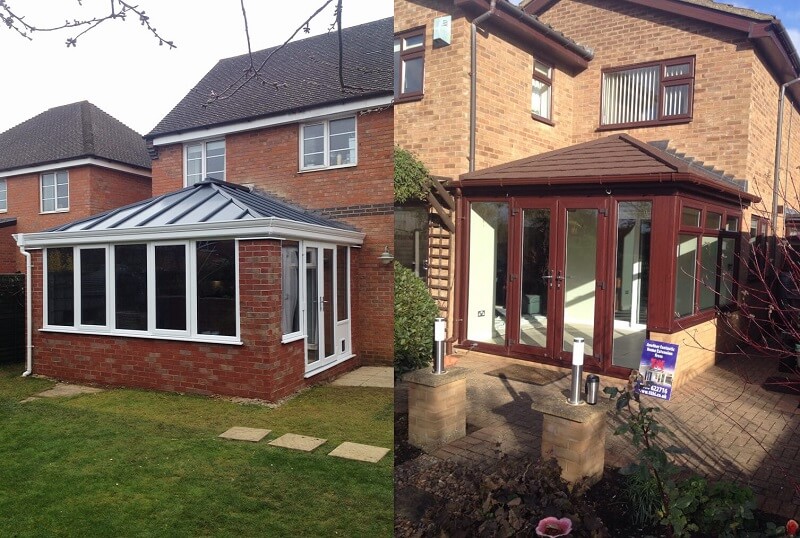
<point x="685" y="275"/>
<point x="215" y="160"/>
<point x="342" y="141"/>
<point x="413" y="41"/>
<point x="732" y="224"/>
<point x="543" y="69"/>
<point x="130" y="285"/>
<point x="690" y="217"/>
<point x="60" y="287"/>
<point x="342" y="279"/>
<point x="194" y="164"/>
<point x="216" y="287"/>
<point x="676" y="100"/>
<point x="314" y="145"/>
<point x="170" y="263"/>
<point x="412" y="75"/>
<point x="677" y="70"/>
<point x="55" y="191"/>
<point x="3" y="195"/>
<point x="290" y="285"/>
<point x="205" y="160"/>
<point x="727" y="267"/>
<point x="713" y="220"/>
<point x="540" y="99"/>
<point x="93" y="286"/>
<point x="708" y="272"/>
<point x="409" y="64"/>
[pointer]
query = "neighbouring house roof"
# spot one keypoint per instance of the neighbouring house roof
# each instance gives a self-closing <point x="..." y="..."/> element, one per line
<point x="209" y="208"/>
<point x="766" y="32"/>
<point x="8" y="221"/>
<point x="69" y="132"/>
<point x="302" y="75"/>
<point x="527" y="27"/>
<point x="618" y="158"/>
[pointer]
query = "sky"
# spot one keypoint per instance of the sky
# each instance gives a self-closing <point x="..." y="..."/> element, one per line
<point x="120" y="67"/>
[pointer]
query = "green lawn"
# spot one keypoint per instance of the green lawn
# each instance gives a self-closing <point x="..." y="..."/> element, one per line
<point x="136" y="463"/>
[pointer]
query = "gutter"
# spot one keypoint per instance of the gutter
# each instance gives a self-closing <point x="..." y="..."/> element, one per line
<point x="473" y="82"/>
<point x="548" y="31"/>
<point x="28" y="312"/>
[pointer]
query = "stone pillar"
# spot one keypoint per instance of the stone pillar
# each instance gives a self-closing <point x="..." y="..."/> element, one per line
<point x="437" y="404"/>
<point x="575" y="435"/>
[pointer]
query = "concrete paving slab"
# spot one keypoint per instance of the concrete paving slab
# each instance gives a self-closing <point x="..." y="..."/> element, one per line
<point x="65" y="389"/>
<point x="241" y="433"/>
<point x="359" y="452"/>
<point x="297" y="442"/>
<point x="367" y="376"/>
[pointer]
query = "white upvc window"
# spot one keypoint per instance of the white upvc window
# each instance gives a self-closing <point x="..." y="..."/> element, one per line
<point x="203" y="160"/>
<point x="3" y="196"/>
<point x="185" y="290"/>
<point x="328" y="144"/>
<point x="54" y="190"/>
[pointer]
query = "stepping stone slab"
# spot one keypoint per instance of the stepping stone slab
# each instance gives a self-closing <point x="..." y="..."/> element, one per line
<point x="64" y="389"/>
<point x="355" y="451"/>
<point x="240" y="433"/>
<point x="297" y="442"/>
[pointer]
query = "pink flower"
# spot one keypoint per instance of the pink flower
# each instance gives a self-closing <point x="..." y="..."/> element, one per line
<point x="551" y="526"/>
<point x="791" y="527"/>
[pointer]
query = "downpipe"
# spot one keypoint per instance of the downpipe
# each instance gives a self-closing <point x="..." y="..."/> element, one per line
<point x="28" y="314"/>
<point x="473" y="83"/>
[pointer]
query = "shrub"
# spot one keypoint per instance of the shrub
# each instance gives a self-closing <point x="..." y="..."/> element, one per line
<point x="414" y="313"/>
<point x="410" y="177"/>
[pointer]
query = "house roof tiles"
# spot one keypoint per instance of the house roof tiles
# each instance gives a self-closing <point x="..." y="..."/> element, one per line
<point x="205" y="202"/>
<point x="304" y="74"/>
<point x="68" y="132"/>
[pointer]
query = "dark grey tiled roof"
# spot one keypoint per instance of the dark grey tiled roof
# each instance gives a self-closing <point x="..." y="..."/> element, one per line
<point x="205" y="202"/>
<point x="302" y="75"/>
<point x="69" y="132"/>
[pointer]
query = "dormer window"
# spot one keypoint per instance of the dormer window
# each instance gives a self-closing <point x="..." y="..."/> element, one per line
<point x="204" y="159"/>
<point x="648" y="94"/>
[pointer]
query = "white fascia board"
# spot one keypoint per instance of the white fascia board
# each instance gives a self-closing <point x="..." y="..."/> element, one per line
<point x="255" y="228"/>
<point x="273" y="121"/>
<point x="88" y="161"/>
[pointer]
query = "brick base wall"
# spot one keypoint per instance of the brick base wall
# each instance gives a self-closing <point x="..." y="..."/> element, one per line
<point x="696" y="350"/>
<point x="260" y="368"/>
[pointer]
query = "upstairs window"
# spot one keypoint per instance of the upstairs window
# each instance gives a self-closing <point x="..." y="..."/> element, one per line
<point x="328" y="144"/>
<point x="3" y="195"/>
<point x="55" y="192"/>
<point x="203" y="160"/>
<point x="648" y="94"/>
<point x="542" y="91"/>
<point x="409" y="65"/>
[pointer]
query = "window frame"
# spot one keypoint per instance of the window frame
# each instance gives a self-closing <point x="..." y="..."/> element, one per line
<point x="326" y="144"/>
<point x="110" y="328"/>
<point x="404" y="55"/>
<point x="55" y="209"/>
<point x="547" y="81"/>
<point x="3" y="195"/>
<point x="203" y="159"/>
<point x="699" y="232"/>
<point x="663" y="83"/>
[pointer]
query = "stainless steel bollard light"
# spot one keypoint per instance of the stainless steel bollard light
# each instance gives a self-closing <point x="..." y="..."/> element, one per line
<point x="439" y="336"/>
<point x="577" y="372"/>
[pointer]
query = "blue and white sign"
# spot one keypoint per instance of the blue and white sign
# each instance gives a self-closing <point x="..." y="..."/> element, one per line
<point x="657" y="369"/>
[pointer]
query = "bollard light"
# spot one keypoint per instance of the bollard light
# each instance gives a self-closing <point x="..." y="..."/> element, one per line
<point x="439" y="336"/>
<point x="577" y="372"/>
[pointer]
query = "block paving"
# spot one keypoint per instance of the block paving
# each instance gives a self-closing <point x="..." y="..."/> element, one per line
<point x="730" y="427"/>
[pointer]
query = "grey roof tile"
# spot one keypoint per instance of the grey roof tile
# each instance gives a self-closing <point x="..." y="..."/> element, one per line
<point x="302" y="75"/>
<point x="69" y="132"/>
<point x="205" y="202"/>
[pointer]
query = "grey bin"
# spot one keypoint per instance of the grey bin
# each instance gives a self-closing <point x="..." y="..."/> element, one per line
<point x="531" y="304"/>
<point x="592" y="388"/>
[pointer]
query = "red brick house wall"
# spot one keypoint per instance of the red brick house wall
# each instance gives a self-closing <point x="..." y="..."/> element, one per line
<point x="8" y="249"/>
<point x="92" y="190"/>
<point x="261" y="367"/>
<point x="362" y="195"/>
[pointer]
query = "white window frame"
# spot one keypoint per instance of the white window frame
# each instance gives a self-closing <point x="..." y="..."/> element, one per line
<point x="3" y="195"/>
<point x="203" y="159"/>
<point x="301" y="286"/>
<point x="326" y="144"/>
<point x="55" y="209"/>
<point x="190" y="334"/>
<point x="546" y="81"/>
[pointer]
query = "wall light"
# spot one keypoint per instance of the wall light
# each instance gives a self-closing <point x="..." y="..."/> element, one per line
<point x="386" y="257"/>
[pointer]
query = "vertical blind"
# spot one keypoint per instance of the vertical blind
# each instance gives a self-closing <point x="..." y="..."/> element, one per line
<point x="631" y="96"/>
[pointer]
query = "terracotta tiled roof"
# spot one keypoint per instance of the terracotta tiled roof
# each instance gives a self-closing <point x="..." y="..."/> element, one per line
<point x="67" y="132"/>
<point x="302" y="75"/>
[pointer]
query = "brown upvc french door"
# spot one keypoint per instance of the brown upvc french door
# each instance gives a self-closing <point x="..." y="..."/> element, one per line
<point x="557" y="279"/>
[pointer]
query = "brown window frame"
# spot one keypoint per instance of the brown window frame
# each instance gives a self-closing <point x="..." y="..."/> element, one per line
<point x="405" y="55"/>
<point x="549" y="82"/>
<point x="663" y="83"/>
<point x="702" y="313"/>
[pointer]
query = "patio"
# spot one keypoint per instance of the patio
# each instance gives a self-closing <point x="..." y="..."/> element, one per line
<point x="730" y="427"/>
